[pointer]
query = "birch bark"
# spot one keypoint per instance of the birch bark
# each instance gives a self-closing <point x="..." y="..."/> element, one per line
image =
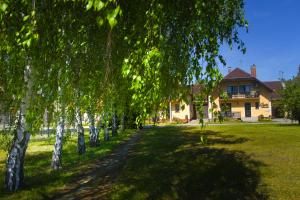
<point x="57" y="153"/>
<point x="80" y="132"/>
<point x="14" y="177"/>
<point x="94" y="132"/>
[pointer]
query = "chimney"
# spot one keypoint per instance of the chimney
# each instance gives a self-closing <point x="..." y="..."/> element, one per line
<point x="229" y="70"/>
<point x="253" y="70"/>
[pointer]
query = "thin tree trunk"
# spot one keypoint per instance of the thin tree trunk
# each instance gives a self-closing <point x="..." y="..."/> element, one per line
<point x="114" y="125"/>
<point x="80" y="132"/>
<point x="94" y="132"/>
<point x="14" y="176"/>
<point x="47" y="122"/>
<point x="123" y="127"/>
<point x="57" y="153"/>
<point x="48" y="129"/>
<point x="106" y="134"/>
<point x="104" y="125"/>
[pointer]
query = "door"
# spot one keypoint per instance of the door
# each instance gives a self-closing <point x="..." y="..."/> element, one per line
<point x="247" y="109"/>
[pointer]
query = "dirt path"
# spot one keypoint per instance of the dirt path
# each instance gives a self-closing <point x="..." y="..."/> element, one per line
<point x="96" y="182"/>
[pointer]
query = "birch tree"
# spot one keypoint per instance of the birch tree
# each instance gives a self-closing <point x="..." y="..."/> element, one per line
<point x="117" y="56"/>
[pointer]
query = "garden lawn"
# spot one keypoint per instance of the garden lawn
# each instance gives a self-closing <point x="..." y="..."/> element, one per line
<point x="40" y="180"/>
<point x="243" y="161"/>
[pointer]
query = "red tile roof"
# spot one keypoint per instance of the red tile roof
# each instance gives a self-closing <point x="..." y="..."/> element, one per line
<point x="276" y="86"/>
<point x="237" y="73"/>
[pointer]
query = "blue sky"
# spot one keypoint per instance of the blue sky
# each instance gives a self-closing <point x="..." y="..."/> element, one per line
<point x="272" y="42"/>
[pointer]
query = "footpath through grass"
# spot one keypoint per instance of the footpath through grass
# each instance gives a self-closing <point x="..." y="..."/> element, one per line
<point x="238" y="162"/>
<point x="40" y="180"/>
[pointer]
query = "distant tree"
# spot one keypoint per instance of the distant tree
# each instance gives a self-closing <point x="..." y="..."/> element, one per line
<point x="291" y="99"/>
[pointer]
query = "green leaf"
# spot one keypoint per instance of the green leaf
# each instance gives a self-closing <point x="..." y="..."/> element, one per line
<point x="99" y="5"/>
<point x="100" y="21"/>
<point x="4" y="7"/>
<point x="112" y="22"/>
<point x="112" y="15"/>
<point x="25" y="18"/>
<point x="89" y="5"/>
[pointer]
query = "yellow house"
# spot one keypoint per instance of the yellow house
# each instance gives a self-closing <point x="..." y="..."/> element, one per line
<point x="247" y="98"/>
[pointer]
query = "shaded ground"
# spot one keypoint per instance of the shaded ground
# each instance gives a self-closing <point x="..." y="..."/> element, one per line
<point x="170" y="163"/>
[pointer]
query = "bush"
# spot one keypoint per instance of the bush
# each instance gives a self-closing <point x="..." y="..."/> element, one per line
<point x="290" y="100"/>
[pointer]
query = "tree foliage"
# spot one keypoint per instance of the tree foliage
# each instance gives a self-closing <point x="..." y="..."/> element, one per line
<point x="117" y="54"/>
<point x="290" y="101"/>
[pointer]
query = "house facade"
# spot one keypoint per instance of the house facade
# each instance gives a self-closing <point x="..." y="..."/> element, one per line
<point x="246" y="98"/>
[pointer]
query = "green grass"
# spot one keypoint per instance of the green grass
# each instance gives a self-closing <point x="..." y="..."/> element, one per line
<point x="237" y="162"/>
<point x="40" y="180"/>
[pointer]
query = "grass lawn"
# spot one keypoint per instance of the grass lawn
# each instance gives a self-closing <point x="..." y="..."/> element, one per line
<point x="40" y="180"/>
<point x="237" y="162"/>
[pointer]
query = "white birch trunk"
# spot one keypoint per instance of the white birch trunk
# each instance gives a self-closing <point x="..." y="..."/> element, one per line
<point x="14" y="177"/>
<point x="57" y="152"/>
<point x="106" y="134"/>
<point x="15" y="162"/>
<point x="114" y="125"/>
<point x="80" y="132"/>
<point x="47" y="122"/>
<point x="103" y="125"/>
<point x="94" y="132"/>
<point x="123" y="127"/>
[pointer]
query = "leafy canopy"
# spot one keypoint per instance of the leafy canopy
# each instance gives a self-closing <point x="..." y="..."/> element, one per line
<point x="116" y="54"/>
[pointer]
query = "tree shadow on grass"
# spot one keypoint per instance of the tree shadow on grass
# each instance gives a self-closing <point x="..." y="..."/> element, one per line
<point x="219" y="138"/>
<point x="171" y="164"/>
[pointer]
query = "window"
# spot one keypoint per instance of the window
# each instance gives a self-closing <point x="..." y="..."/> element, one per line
<point x="229" y="89"/>
<point x="247" y="89"/>
<point x="256" y="105"/>
<point x="244" y="89"/>
<point x="177" y="107"/>
<point x="232" y="90"/>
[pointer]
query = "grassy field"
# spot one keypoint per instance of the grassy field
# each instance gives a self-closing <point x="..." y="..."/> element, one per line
<point x="40" y="180"/>
<point x="237" y="162"/>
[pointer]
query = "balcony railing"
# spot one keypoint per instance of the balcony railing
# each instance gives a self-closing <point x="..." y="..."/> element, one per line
<point x="252" y="94"/>
<point x="238" y="96"/>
